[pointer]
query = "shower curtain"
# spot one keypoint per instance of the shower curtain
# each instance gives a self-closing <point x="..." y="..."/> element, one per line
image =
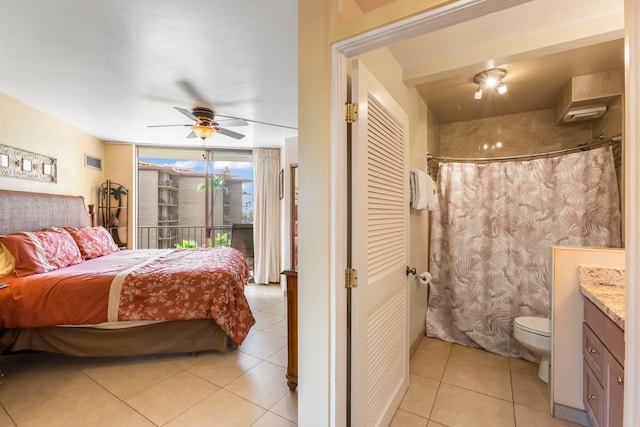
<point x="491" y="239"/>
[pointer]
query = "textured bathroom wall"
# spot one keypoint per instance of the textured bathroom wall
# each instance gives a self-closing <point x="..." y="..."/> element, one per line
<point x="511" y="134"/>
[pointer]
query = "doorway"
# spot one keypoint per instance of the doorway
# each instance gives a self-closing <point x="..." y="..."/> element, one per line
<point x="342" y="53"/>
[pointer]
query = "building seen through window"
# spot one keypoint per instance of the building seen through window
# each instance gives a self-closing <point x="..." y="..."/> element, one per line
<point x="193" y="202"/>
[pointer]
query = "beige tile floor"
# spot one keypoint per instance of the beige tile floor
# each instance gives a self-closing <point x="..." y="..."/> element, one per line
<point x="246" y="387"/>
<point x="457" y="386"/>
<point x="450" y="385"/>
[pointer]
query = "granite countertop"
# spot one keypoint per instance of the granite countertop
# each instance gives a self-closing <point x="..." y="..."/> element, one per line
<point x="605" y="288"/>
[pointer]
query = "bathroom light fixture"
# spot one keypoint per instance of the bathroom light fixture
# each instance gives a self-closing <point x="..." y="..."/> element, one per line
<point x="490" y="79"/>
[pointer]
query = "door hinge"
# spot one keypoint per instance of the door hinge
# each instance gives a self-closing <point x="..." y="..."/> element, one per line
<point x="350" y="112"/>
<point x="351" y="278"/>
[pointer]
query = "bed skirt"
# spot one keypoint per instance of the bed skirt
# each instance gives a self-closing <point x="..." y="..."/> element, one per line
<point x="179" y="336"/>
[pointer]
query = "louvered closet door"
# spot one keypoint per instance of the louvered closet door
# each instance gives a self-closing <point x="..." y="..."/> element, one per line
<point x="380" y="222"/>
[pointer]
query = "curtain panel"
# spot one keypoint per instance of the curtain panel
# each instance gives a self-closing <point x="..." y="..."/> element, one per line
<point x="492" y="233"/>
<point x="266" y="221"/>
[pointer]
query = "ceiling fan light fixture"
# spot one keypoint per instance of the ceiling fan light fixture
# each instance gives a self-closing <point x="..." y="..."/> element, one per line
<point x="203" y="132"/>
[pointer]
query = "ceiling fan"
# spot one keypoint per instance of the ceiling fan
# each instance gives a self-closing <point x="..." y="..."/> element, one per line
<point x="205" y="123"/>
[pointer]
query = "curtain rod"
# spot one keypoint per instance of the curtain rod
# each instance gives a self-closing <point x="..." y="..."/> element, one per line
<point x="601" y="140"/>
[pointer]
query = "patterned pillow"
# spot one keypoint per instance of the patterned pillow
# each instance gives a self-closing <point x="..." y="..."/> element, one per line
<point x="93" y="241"/>
<point x="41" y="251"/>
<point x="7" y="262"/>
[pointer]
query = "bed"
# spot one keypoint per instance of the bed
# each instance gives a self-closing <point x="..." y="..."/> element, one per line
<point x="92" y="299"/>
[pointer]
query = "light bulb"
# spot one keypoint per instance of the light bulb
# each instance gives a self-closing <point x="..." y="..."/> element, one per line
<point x="491" y="82"/>
<point x="203" y="132"/>
<point x="502" y="88"/>
<point x="478" y="94"/>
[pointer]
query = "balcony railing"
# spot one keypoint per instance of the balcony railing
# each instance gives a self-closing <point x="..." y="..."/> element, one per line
<point x="164" y="237"/>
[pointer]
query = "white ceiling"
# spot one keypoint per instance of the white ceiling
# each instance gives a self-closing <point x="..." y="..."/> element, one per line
<point x="113" y="67"/>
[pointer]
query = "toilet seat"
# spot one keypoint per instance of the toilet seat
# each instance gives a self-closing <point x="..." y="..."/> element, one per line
<point x="535" y="325"/>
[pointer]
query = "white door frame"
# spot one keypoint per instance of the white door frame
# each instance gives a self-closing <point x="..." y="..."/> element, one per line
<point x="442" y="17"/>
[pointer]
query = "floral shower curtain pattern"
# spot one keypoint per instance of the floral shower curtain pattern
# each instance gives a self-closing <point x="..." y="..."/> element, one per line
<point x="491" y="239"/>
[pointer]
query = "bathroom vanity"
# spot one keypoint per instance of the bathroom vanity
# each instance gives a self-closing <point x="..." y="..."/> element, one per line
<point x="603" y="351"/>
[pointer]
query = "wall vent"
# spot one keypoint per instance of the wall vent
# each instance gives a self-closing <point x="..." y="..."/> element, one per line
<point x="584" y="113"/>
<point x="92" y="162"/>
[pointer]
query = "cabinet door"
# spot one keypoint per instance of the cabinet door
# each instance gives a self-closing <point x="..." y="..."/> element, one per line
<point x="593" y="397"/>
<point x="615" y="387"/>
<point x="594" y="352"/>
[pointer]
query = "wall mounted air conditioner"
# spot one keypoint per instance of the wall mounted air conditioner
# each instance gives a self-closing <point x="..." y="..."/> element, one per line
<point x="584" y="113"/>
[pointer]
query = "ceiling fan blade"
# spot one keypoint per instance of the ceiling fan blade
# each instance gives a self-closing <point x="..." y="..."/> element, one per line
<point x="233" y="122"/>
<point x="230" y="133"/>
<point x="193" y="93"/>
<point x="192" y="135"/>
<point x="187" y="113"/>
<point x="196" y="96"/>
<point x="164" y="126"/>
<point x="256" y="121"/>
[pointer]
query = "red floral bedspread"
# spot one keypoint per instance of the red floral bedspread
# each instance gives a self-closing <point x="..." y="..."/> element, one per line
<point x="187" y="284"/>
<point x="134" y="285"/>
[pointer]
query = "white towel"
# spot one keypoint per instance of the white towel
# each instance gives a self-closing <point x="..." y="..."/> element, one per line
<point x="423" y="190"/>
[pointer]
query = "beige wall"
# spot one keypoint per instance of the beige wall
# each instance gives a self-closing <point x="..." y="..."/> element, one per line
<point x="119" y="166"/>
<point x="24" y="127"/>
<point x="347" y="20"/>
<point x="521" y="133"/>
<point x="314" y="161"/>
<point x="389" y="73"/>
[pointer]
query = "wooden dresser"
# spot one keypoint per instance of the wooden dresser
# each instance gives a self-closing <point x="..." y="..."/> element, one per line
<point x="292" y="328"/>
<point x="603" y="351"/>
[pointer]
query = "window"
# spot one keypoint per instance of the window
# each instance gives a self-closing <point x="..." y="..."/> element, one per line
<point x="188" y="198"/>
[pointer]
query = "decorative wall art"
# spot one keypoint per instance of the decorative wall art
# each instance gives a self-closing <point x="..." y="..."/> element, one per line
<point x="23" y="164"/>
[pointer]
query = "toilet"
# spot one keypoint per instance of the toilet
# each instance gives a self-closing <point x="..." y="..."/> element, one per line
<point x="534" y="333"/>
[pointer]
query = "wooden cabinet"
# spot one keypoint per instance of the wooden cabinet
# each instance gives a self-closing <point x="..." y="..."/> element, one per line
<point x="292" y="328"/>
<point x="603" y="351"/>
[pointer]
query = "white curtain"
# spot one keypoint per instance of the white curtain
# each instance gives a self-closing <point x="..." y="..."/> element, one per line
<point x="266" y="220"/>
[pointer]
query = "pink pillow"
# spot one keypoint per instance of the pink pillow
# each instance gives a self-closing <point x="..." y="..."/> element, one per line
<point x="93" y="241"/>
<point x="41" y="251"/>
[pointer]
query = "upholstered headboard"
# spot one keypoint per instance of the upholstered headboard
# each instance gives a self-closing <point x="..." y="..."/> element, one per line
<point x="24" y="211"/>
